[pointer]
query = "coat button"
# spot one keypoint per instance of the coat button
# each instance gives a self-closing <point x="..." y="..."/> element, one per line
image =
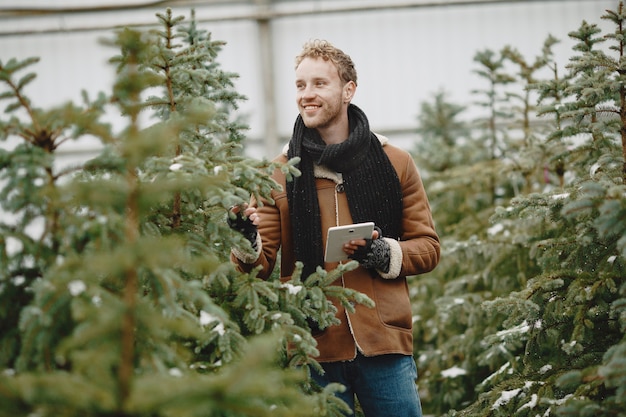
<point x="339" y="188"/>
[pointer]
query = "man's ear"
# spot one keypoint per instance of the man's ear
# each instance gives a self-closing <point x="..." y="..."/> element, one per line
<point x="348" y="91"/>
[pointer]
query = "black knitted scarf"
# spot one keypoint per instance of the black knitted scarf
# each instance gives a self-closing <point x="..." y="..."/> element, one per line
<point x="370" y="183"/>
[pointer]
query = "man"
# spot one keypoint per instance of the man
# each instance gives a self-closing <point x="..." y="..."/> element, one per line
<point x="349" y="175"/>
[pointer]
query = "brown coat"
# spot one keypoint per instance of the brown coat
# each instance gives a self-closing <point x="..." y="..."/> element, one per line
<point x="387" y="328"/>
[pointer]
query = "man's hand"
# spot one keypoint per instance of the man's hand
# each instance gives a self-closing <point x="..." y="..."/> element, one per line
<point x="355" y="244"/>
<point x="371" y="253"/>
<point x="244" y="219"/>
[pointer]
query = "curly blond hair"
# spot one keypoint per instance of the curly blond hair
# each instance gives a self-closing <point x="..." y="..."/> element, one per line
<point x="319" y="48"/>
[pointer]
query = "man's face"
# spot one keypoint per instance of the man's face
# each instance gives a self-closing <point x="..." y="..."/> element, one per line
<point x="320" y="93"/>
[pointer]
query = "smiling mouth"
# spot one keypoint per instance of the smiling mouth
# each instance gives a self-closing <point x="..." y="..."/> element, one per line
<point x="311" y="107"/>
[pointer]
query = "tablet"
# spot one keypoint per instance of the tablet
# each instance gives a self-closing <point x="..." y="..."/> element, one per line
<point x="338" y="235"/>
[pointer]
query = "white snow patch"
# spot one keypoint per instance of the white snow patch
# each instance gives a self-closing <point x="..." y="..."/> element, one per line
<point x="495" y="229"/>
<point x="13" y="246"/>
<point x="534" y="399"/>
<point x="545" y="368"/>
<point x="76" y="287"/>
<point x="176" y="167"/>
<point x="502" y="369"/>
<point x="521" y="328"/>
<point x="292" y="289"/>
<point x="219" y="329"/>
<point x="19" y="280"/>
<point x="207" y="318"/>
<point x="505" y="397"/>
<point x="453" y="372"/>
<point x="594" y="168"/>
<point x="560" y="196"/>
<point x="36" y="228"/>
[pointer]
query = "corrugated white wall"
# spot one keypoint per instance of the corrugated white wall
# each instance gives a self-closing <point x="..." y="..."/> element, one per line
<point x="402" y="55"/>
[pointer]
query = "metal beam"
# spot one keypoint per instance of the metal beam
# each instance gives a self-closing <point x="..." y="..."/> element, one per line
<point x="217" y="11"/>
<point x="266" y="51"/>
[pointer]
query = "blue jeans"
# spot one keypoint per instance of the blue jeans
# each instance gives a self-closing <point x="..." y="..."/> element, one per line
<point x="384" y="385"/>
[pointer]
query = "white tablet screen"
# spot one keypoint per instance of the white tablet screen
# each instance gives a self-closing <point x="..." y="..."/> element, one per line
<point x="338" y="235"/>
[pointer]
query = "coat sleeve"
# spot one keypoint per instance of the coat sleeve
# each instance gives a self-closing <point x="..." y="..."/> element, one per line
<point x="268" y="238"/>
<point x="418" y="247"/>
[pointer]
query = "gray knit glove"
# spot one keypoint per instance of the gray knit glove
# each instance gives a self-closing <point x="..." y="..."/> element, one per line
<point x="376" y="254"/>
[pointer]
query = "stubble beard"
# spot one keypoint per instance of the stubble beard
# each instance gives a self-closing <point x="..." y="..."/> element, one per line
<point x="329" y="113"/>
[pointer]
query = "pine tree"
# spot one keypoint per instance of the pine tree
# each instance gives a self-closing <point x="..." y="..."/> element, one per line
<point x="117" y="294"/>
<point x="476" y="265"/>
<point x="531" y="318"/>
